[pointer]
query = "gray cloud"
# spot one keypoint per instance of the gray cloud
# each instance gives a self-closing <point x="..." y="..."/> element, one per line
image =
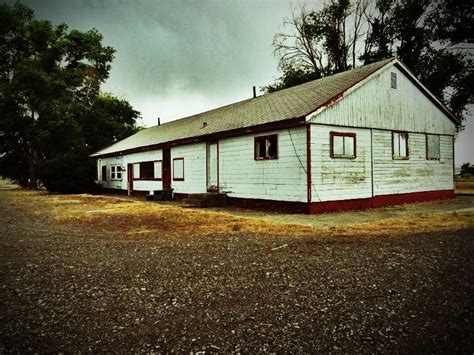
<point x="164" y="47"/>
<point x="179" y="57"/>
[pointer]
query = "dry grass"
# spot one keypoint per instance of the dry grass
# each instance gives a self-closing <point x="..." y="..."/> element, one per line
<point x="139" y="218"/>
<point x="464" y="185"/>
<point x="434" y="222"/>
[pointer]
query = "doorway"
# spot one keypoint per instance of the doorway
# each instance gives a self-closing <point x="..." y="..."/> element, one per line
<point x="166" y="168"/>
<point x="212" y="167"/>
<point x="129" y="179"/>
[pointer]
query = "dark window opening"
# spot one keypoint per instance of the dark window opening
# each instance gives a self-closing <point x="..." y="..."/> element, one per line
<point x="115" y="172"/>
<point x="104" y="173"/>
<point x="147" y="170"/>
<point x="393" y="80"/>
<point x="266" y="147"/>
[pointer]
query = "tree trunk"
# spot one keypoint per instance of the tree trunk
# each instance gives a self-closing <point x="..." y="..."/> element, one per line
<point x="32" y="179"/>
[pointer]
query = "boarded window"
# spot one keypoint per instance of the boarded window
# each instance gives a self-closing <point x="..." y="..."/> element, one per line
<point x="393" y="80"/>
<point x="342" y="145"/>
<point x="104" y="173"/>
<point x="266" y="147"/>
<point x="136" y="170"/>
<point x="157" y="169"/>
<point x="432" y="147"/>
<point x="400" y="145"/>
<point x="178" y="169"/>
<point x="147" y="170"/>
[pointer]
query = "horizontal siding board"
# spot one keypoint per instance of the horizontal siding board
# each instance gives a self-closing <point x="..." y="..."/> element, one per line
<point x="141" y="157"/>
<point x="376" y="105"/>
<point x="282" y="179"/>
<point x="345" y="179"/>
<point x="113" y="184"/>
<point x="194" y="168"/>
<point x="415" y="174"/>
<point x="338" y="178"/>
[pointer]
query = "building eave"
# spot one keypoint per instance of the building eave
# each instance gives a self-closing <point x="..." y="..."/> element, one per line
<point x="290" y="123"/>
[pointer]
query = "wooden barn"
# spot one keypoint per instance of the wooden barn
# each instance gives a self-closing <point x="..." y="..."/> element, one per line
<point x="371" y="136"/>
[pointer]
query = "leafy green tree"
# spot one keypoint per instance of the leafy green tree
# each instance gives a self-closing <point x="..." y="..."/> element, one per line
<point x="452" y="21"/>
<point x="379" y="36"/>
<point x="291" y="77"/>
<point x="52" y="112"/>
<point x="467" y="169"/>
<point x="431" y="38"/>
<point x="334" y="17"/>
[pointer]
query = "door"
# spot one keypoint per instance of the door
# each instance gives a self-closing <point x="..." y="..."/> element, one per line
<point x="212" y="162"/>
<point x="166" y="168"/>
<point x="129" y="179"/>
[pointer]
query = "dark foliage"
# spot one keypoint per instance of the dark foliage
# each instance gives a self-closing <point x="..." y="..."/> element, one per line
<point x="433" y="38"/>
<point x="292" y="77"/>
<point x="467" y="169"/>
<point x="53" y="115"/>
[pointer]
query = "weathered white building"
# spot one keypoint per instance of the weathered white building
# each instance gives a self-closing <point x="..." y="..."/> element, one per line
<point x="367" y="137"/>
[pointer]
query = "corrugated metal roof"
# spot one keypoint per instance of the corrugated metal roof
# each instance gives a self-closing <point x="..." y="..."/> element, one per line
<point x="294" y="102"/>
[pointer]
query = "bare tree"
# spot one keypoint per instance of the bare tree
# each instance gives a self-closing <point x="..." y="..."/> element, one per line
<point x="301" y="46"/>
<point x="315" y="43"/>
<point x="358" y="12"/>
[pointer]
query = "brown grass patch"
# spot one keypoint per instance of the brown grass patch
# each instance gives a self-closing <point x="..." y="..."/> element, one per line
<point x="139" y="218"/>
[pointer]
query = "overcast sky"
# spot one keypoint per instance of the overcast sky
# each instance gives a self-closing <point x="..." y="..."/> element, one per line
<point x="175" y="58"/>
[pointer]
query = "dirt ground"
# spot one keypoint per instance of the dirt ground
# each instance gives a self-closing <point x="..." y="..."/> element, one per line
<point x="92" y="273"/>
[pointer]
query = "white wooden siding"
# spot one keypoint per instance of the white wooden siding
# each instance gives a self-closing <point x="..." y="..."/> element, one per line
<point x="416" y="174"/>
<point x="376" y="105"/>
<point x="145" y="185"/>
<point x="282" y="179"/>
<point x="335" y="179"/>
<point x="142" y="185"/>
<point x="194" y="168"/>
<point x="112" y="184"/>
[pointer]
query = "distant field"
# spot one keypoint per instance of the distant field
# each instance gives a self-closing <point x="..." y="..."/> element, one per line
<point x="105" y="274"/>
<point x="465" y="185"/>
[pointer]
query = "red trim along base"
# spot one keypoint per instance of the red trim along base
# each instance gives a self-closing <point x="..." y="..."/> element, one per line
<point x="317" y="207"/>
<point x="379" y="201"/>
<point x="109" y="190"/>
<point x="179" y="196"/>
<point x="140" y="193"/>
<point x="284" y="206"/>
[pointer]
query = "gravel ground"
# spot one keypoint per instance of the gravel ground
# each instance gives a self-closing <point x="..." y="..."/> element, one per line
<point x="72" y="288"/>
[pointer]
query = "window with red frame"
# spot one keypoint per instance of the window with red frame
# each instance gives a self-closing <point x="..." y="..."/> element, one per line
<point x="266" y="147"/>
<point x="343" y="145"/>
<point x="400" y="145"/>
<point x="178" y="169"/>
<point x="432" y="147"/>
